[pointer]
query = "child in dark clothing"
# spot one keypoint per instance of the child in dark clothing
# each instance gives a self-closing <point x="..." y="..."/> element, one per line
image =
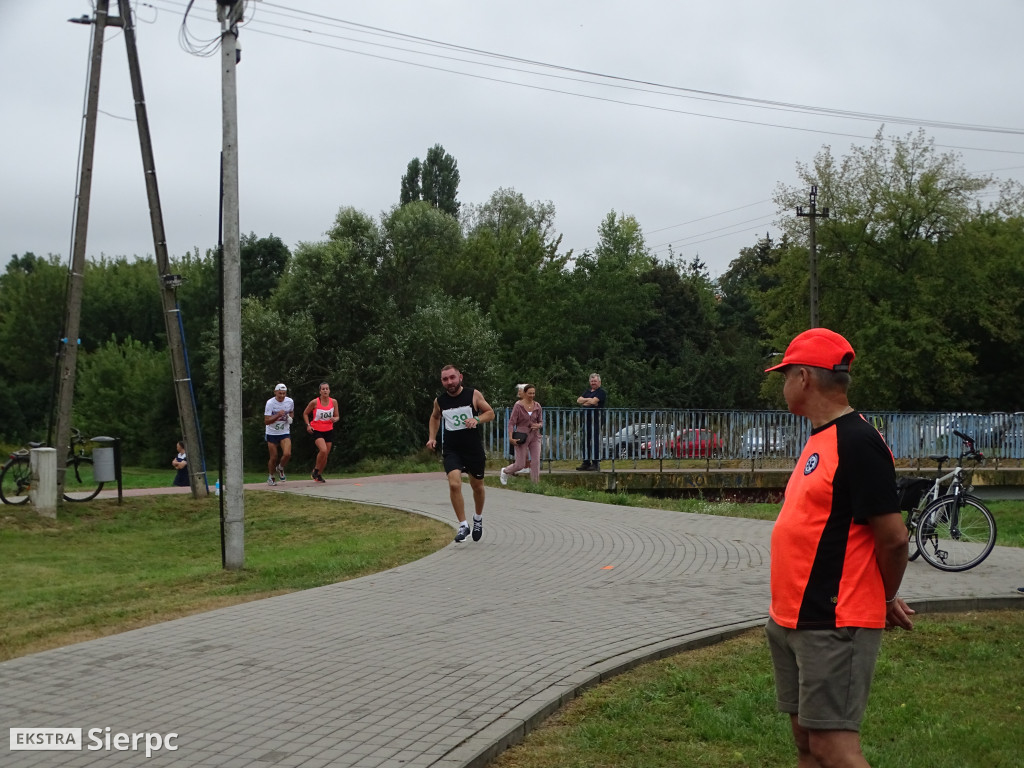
<point x="180" y="463"/>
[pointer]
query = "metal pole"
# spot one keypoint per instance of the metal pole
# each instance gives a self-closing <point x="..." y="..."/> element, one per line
<point x="231" y="487"/>
<point x="168" y="285"/>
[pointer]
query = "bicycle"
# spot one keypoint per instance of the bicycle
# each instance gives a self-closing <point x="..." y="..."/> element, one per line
<point x="79" y="480"/>
<point x="953" y="531"/>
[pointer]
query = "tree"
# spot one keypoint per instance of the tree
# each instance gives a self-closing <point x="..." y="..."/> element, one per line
<point x="263" y="261"/>
<point x="401" y="364"/>
<point x="885" y="279"/>
<point x="420" y="255"/>
<point x="412" y="190"/>
<point x="124" y="388"/>
<point x="507" y="241"/>
<point x="435" y="180"/>
<point x="31" y="317"/>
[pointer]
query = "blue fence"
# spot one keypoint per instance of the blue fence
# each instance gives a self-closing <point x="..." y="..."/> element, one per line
<point x="632" y="435"/>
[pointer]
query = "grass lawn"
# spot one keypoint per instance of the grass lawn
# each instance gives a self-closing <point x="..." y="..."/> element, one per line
<point x="102" y="568"/>
<point x="947" y="695"/>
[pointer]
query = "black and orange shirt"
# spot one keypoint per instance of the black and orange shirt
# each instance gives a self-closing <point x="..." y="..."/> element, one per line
<point x="823" y="569"/>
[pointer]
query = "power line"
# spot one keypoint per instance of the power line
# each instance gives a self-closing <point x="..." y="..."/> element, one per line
<point x="673" y="91"/>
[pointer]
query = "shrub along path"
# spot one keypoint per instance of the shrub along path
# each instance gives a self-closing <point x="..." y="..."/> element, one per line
<point x="441" y="662"/>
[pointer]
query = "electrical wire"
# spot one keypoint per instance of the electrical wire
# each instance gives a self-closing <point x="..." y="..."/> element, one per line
<point x="604" y="80"/>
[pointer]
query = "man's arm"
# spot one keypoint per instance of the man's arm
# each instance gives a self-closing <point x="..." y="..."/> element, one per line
<point x="891" y="555"/>
<point x="433" y="425"/>
<point x="484" y="412"/>
<point x="269" y="418"/>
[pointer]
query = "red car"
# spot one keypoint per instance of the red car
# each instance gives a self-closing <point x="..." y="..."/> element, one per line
<point x="693" y="444"/>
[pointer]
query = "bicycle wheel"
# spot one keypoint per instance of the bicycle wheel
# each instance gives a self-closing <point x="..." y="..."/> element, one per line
<point x="955" y="538"/>
<point x="912" y="550"/>
<point x="79" y="480"/>
<point x="15" y="480"/>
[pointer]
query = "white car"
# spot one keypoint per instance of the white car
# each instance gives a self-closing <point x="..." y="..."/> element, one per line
<point x="758" y="441"/>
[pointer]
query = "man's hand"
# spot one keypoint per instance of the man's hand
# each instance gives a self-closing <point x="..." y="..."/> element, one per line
<point x="897" y="614"/>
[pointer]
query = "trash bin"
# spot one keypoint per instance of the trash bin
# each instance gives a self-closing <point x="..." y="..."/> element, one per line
<point x="104" y="464"/>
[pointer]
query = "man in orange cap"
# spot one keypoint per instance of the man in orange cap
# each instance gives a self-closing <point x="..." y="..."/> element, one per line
<point x="838" y="552"/>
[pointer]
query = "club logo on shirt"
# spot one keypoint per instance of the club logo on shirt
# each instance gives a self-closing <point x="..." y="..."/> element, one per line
<point x="812" y="463"/>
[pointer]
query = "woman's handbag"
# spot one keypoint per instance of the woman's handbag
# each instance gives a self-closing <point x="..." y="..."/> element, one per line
<point x="520" y="437"/>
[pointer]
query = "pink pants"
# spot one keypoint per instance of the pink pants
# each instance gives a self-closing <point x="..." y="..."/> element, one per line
<point x="523" y="451"/>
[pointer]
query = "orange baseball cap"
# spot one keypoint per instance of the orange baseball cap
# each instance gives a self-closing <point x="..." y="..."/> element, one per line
<point x="818" y="348"/>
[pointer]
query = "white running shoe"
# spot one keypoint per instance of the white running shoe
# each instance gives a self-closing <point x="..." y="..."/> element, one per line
<point x="503" y="477"/>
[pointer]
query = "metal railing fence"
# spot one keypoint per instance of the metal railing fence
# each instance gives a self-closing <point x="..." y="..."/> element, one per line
<point x="632" y="435"/>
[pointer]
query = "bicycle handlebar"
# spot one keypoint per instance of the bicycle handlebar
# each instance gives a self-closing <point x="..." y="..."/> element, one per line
<point x="972" y="452"/>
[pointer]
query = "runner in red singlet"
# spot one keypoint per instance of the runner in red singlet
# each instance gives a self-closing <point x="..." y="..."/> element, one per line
<point x="320" y="416"/>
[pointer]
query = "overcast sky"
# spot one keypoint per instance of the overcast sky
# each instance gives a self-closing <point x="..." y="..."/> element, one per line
<point x="336" y="97"/>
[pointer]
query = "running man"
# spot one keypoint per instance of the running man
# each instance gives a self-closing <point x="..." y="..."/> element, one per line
<point x="277" y="417"/>
<point x="460" y="410"/>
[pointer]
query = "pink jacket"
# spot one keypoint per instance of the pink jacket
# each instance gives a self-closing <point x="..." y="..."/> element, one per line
<point x="520" y="420"/>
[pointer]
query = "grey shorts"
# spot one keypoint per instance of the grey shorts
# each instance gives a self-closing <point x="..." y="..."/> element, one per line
<point x="823" y="675"/>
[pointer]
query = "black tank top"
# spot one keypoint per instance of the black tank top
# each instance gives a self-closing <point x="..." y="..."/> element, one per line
<point x="454" y="412"/>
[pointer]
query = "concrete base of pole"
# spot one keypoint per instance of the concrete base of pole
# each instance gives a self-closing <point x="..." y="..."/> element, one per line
<point x="43" y="493"/>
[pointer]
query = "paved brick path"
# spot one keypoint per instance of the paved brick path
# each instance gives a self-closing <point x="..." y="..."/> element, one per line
<point x="442" y="662"/>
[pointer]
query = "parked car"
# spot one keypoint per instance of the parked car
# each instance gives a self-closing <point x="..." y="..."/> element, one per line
<point x="629" y="442"/>
<point x="688" y="444"/>
<point x="758" y="441"/>
<point x="1011" y="443"/>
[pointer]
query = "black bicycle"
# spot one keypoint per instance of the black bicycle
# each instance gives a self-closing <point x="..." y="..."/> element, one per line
<point x="954" y="530"/>
<point x="80" y="482"/>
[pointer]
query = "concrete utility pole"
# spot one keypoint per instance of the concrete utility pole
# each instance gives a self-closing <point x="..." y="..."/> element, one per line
<point x="814" y="215"/>
<point x="68" y="354"/>
<point x="168" y="282"/>
<point x="229" y="13"/>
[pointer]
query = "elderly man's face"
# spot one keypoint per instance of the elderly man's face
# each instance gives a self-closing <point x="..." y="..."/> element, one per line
<point x="595" y="382"/>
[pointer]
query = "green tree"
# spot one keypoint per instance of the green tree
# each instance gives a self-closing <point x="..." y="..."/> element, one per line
<point x="885" y="280"/>
<point x="32" y="293"/>
<point x="124" y="389"/>
<point x="507" y="242"/>
<point x="420" y="255"/>
<point x="263" y="261"/>
<point x="412" y="190"/>
<point x="434" y="180"/>
<point x="393" y="391"/>
<point x="121" y="298"/>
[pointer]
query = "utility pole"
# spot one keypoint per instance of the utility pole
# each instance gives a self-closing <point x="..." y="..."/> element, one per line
<point x="814" y="215"/>
<point x="229" y="13"/>
<point x="168" y="282"/>
<point x="67" y="357"/>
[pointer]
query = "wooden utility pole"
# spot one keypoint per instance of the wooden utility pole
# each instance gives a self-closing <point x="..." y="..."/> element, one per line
<point x="168" y="282"/>
<point x="814" y="215"/>
<point x="68" y="359"/>
<point x="229" y="13"/>
<point x="68" y="355"/>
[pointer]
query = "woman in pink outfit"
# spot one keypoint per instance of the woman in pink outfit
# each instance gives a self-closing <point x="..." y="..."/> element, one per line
<point x="528" y="417"/>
